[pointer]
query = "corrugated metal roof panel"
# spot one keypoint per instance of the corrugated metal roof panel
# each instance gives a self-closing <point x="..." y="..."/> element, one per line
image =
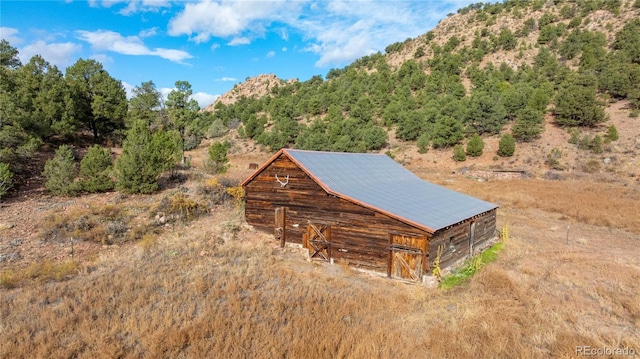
<point x="378" y="181"/>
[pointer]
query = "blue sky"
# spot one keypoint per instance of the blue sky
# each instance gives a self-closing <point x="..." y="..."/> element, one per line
<point x="213" y="44"/>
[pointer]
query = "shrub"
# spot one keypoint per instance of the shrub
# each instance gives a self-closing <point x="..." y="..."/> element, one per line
<point x="180" y="207"/>
<point x="584" y="143"/>
<point x="95" y="170"/>
<point x="218" y="129"/>
<point x="553" y="159"/>
<point x="475" y="146"/>
<point x="60" y="172"/>
<point x="507" y="145"/>
<point x="596" y="144"/>
<point x="6" y="177"/>
<point x="218" y="161"/>
<point x="144" y="157"/>
<point x="191" y="138"/>
<point x="459" y="154"/>
<point x="612" y="134"/>
<point x="423" y="143"/>
<point x="575" y="136"/>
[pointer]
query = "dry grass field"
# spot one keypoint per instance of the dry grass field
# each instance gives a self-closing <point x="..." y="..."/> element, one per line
<point x="216" y="288"/>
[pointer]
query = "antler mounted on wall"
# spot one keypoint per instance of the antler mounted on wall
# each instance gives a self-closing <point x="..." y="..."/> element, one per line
<point x="282" y="184"/>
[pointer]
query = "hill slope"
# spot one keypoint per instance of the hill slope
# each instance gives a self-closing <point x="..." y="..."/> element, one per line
<point x="492" y="69"/>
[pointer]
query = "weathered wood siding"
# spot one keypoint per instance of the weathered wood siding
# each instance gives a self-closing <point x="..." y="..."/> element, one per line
<point x="359" y="236"/>
<point x="456" y="238"/>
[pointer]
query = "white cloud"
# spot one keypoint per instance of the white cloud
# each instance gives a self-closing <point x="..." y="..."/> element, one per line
<point x="129" y="45"/>
<point x="239" y="41"/>
<point x="149" y="32"/>
<point x="284" y="34"/>
<point x="337" y="31"/>
<point x="224" y="19"/>
<point x="271" y="54"/>
<point x="59" y="54"/>
<point x="214" y="47"/>
<point x="129" y="7"/>
<point x="103" y="59"/>
<point x="10" y="34"/>
<point x="204" y="99"/>
<point x="284" y="49"/>
<point x="164" y="92"/>
<point x="128" y="88"/>
<point x="341" y="31"/>
<point x="227" y="79"/>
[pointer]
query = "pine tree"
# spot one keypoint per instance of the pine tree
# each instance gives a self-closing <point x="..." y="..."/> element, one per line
<point x="458" y="154"/>
<point x="528" y="125"/>
<point x="507" y="145"/>
<point x="576" y="103"/>
<point x="95" y="170"/>
<point x="6" y="178"/>
<point x="475" y="146"/>
<point x="446" y="132"/>
<point x="144" y="157"/>
<point x="218" y="161"/>
<point x="60" y="172"/>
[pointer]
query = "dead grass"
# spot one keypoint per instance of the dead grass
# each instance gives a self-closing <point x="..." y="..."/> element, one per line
<point x="104" y="224"/>
<point x="603" y="204"/>
<point x="215" y="286"/>
<point x="212" y="287"/>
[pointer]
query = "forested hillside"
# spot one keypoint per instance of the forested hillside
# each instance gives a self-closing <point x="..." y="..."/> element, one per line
<point x="488" y="68"/>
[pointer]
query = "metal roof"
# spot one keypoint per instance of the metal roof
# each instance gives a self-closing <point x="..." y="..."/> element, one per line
<point x="380" y="183"/>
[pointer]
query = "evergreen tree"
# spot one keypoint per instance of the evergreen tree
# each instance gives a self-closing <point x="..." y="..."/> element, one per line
<point x="95" y="170"/>
<point x="6" y="178"/>
<point x="99" y="100"/>
<point x="447" y="131"/>
<point x="44" y="100"/>
<point x="458" y="153"/>
<point x="475" y="146"/>
<point x="576" y="103"/>
<point x="506" y="146"/>
<point x="60" y="172"/>
<point x="528" y="126"/>
<point x="218" y="161"/>
<point x="486" y="113"/>
<point x="145" y="103"/>
<point x="144" y="157"/>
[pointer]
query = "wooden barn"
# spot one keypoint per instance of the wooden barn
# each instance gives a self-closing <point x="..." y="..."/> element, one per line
<point x="366" y="210"/>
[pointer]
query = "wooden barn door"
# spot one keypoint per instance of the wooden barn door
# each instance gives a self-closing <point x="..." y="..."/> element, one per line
<point x="408" y="257"/>
<point x="279" y="229"/>
<point x="318" y="241"/>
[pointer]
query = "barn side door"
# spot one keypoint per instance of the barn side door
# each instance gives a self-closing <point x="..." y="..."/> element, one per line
<point x="279" y="229"/>
<point x="407" y="257"/>
<point x="318" y="241"/>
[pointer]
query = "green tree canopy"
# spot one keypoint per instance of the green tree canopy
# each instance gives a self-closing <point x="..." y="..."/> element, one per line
<point x="144" y="157"/>
<point x="99" y="100"/>
<point x="576" y="103"/>
<point x="145" y="103"/>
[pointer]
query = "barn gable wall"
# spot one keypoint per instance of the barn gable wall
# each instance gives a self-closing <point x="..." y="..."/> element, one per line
<point x="455" y="240"/>
<point x="360" y="236"/>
